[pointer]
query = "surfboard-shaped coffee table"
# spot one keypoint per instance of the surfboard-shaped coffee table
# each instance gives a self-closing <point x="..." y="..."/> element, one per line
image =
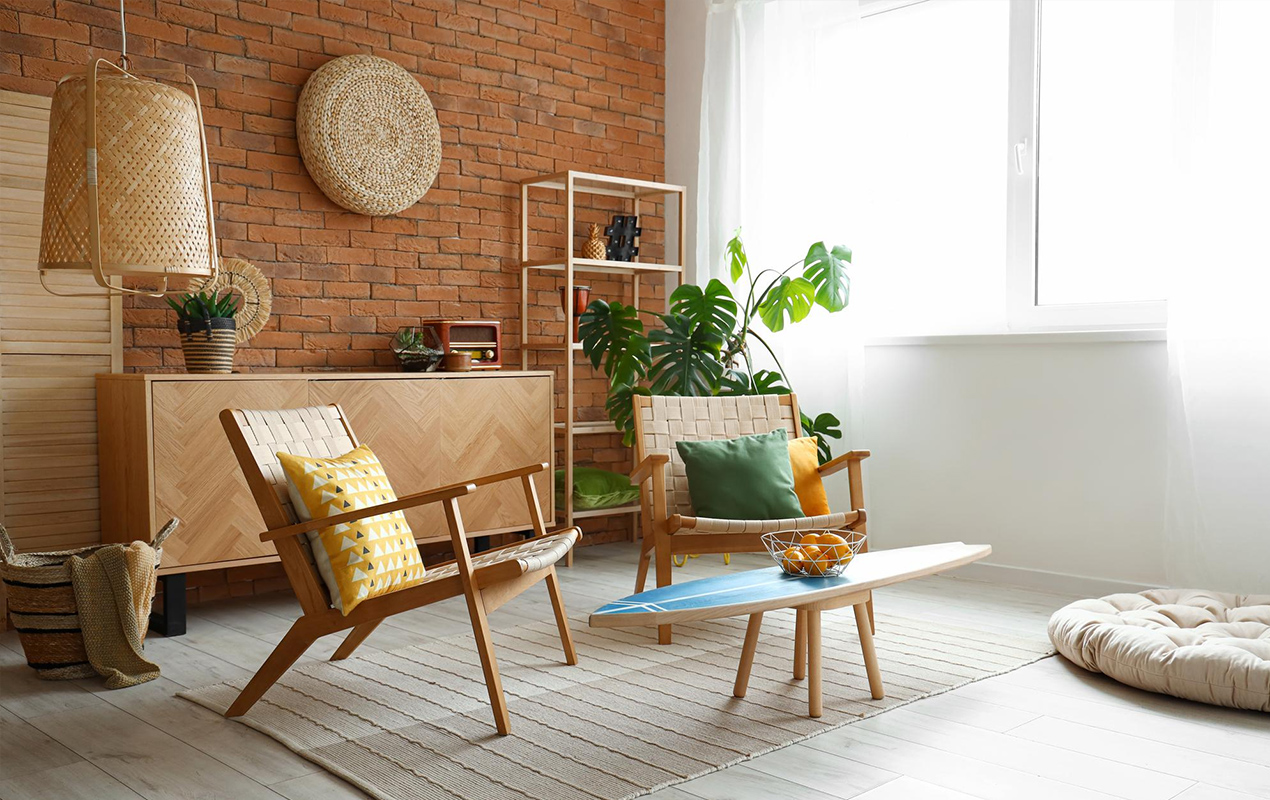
<point x="757" y="591"/>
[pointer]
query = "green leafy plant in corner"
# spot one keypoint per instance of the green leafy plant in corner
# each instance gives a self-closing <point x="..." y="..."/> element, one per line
<point x="703" y="343"/>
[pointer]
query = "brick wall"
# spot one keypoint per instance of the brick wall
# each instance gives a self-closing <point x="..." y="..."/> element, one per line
<point x="520" y="88"/>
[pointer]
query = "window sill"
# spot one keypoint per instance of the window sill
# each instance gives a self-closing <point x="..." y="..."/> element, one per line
<point x="1013" y="337"/>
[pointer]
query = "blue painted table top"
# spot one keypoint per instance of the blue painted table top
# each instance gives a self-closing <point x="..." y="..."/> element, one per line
<point x="770" y="588"/>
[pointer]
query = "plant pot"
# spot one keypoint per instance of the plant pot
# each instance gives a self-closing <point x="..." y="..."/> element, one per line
<point x="208" y="344"/>
<point x="458" y="361"/>
<point x="581" y="297"/>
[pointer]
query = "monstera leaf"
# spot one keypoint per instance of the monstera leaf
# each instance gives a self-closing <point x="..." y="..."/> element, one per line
<point x="827" y="271"/>
<point x="737" y="260"/>
<point x="612" y="335"/>
<point x="765" y="381"/>
<point x="787" y="297"/>
<point x="714" y="307"/>
<point x="685" y="358"/>
<point x="621" y="409"/>
<point x="823" y="427"/>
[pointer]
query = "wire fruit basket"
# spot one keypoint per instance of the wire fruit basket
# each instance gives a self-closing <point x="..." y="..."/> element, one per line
<point x="814" y="554"/>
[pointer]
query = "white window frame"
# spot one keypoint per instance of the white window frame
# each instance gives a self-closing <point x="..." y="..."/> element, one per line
<point x="1023" y="311"/>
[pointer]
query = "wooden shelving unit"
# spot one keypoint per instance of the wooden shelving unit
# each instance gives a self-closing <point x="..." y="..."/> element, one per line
<point x="566" y="264"/>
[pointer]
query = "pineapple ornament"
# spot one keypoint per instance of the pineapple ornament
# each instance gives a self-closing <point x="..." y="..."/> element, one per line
<point x="594" y="247"/>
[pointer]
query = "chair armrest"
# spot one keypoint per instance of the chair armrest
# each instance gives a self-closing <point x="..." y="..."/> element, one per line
<point x="409" y="501"/>
<point x="830" y="467"/>
<point x="644" y="470"/>
<point x="519" y="472"/>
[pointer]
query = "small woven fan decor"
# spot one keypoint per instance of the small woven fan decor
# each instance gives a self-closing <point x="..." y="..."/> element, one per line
<point x="368" y="134"/>
<point x="246" y="281"/>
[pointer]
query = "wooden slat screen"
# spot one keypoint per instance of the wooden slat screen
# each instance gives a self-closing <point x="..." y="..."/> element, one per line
<point x="50" y="349"/>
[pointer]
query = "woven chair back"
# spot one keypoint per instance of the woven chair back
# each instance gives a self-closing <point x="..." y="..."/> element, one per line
<point x="662" y="421"/>
<point x="317" y="431"/>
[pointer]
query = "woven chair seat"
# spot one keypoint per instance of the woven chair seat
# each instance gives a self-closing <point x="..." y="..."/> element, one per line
<point x="682" y="524"/>
<point x="533" y="554"/>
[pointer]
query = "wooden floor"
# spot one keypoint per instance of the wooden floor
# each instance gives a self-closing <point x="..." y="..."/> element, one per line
<point x="1045" y="731"/>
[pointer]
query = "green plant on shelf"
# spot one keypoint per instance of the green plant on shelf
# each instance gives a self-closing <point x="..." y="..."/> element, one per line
<point x="194" y="311"/>
<point x="704" y="344"/>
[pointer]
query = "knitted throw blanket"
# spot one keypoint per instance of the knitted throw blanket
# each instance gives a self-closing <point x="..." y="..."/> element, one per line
<point x="111" y="587"/>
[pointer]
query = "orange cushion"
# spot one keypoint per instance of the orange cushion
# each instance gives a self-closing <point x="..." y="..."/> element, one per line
<point x="807" y="484"/>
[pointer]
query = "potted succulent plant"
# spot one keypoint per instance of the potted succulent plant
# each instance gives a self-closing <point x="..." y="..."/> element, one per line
<point x="208" y="330"/>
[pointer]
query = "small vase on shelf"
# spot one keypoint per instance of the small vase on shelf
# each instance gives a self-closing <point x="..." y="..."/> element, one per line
<point x="581" y="297"/>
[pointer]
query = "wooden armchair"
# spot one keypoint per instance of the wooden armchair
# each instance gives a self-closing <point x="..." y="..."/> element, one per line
<point x="487" y="580"/>
<point x="670" y="527"/>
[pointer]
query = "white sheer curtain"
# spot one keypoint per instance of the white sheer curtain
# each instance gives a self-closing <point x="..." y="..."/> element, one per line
<point x="1218" y="525"/>
<point x="772" y="161"/>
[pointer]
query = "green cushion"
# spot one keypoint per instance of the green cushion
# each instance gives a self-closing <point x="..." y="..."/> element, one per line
<point x="749" y="477"/>
<point x="597" y="488"/>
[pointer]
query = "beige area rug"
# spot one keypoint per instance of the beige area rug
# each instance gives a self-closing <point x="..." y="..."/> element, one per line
<point x="630" y="718"/>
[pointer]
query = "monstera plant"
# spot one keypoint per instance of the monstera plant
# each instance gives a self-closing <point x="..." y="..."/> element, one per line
<point x="704" y="345"/>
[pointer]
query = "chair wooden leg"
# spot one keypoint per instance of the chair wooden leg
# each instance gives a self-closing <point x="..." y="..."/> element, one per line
<point x="354" y="638"/>
<point x="288" y="651"/>
<point x="747" y="655"/>
<point x="815" y="702"/>
<point x="645" y="557"/>
<point x="864" y="625"/>
<point x="485" y="647"/>
<point x="800" y="644"/>
<point x="663" y="579"/>
<point x="562" y="619"/>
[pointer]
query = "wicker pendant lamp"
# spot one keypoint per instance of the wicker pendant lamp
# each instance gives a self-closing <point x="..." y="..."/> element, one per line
<point x="127" y="192"/>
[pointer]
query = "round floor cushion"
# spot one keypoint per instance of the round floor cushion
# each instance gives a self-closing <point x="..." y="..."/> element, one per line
<point x="1205" y="646"/>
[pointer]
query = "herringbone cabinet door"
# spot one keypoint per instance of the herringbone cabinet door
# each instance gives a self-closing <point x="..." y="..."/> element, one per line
<point x="429" y="433"/>
<point x="196" y="476"/>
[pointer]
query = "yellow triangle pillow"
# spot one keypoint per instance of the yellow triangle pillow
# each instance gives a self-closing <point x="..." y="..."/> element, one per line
<point x="360" y="559"/>
<point x="807" y="483"/>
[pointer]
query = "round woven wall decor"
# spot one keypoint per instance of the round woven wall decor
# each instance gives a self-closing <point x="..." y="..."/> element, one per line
<point x="368" y="134"/>
<point x="246" y="281"/>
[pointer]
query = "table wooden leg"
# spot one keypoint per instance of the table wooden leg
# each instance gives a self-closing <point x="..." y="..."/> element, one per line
<point x="865" y="625"/>
<point x="800" y="643"/>
<point x="747" y="655"/>
<point x="815" y="703"/>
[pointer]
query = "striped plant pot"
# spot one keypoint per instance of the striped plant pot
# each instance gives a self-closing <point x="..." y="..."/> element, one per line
<point x="208" y="344"/>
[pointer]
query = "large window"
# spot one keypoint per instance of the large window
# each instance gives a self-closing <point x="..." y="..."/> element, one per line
<point x="1093" y="110"/>
<point x="927" y="211"/>
<point x="1018" y="159"/>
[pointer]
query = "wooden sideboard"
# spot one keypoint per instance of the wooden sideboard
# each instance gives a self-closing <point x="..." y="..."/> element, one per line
<point x="162" y="452"/>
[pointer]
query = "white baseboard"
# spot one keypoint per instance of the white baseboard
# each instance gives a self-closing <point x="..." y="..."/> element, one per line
<point x="1059" y="582"/>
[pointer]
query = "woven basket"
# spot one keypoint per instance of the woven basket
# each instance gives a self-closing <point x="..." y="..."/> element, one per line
<point x="147" y="213"/>
<point x="42" y="606"/>
<point x="368" y="134"/>
<point x="209" y="348"/>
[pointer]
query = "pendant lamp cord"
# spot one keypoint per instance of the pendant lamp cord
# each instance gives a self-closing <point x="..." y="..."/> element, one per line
<point x="124" y="61"/>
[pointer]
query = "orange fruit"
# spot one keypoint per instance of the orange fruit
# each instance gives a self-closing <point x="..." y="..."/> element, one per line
<point x="794" y="560"/>
<point x="809" y="538"/>
<point x="811" y="552"/>
<point x="835" y="543"/>
<point x="821" y="565"/>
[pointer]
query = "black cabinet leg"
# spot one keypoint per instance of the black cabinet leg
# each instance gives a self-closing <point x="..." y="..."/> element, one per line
<point x="172" y="621"/>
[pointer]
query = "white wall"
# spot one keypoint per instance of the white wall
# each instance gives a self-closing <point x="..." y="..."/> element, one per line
<point x="685" y="60"/>
<point x="1052" y="453"/>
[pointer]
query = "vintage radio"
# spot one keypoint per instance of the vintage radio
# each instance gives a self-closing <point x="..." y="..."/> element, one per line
<point x="481" y="337"/>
